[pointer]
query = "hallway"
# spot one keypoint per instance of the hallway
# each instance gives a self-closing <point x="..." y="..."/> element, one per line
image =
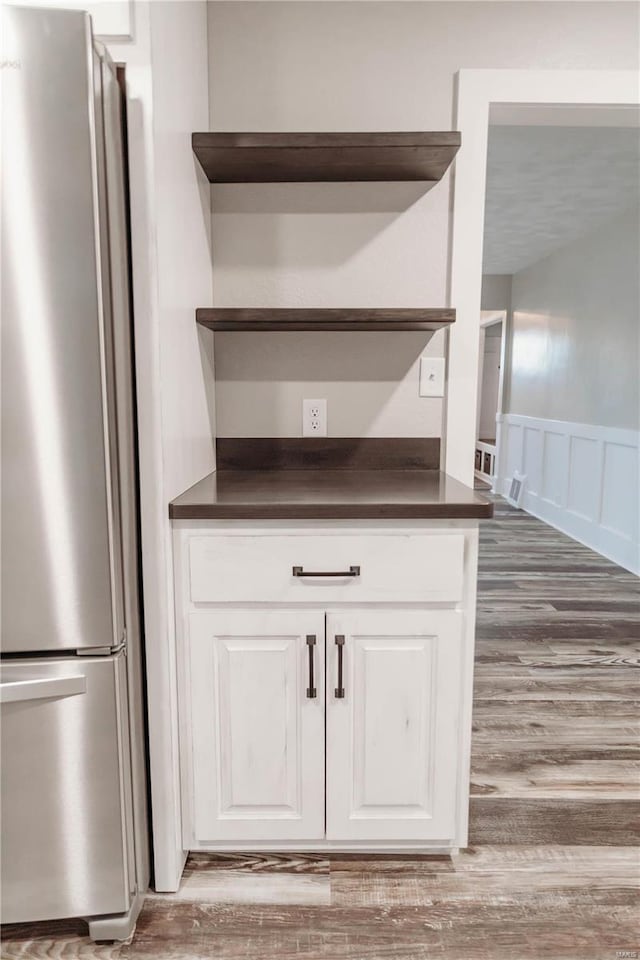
<point x="550" y="872"/>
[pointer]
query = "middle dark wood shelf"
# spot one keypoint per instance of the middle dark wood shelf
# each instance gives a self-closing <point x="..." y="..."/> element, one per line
<point x="341" y="318"/>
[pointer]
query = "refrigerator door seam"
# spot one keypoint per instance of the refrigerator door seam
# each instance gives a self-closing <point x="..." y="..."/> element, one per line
<point x="103" y="277"/>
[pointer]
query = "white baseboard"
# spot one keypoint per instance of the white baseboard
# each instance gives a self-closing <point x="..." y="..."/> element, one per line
<point x="581" y="479"/>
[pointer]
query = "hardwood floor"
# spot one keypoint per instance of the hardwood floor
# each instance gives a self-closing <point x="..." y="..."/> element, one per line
<point x="556" y="722"/>
<point x="551" y="871"/>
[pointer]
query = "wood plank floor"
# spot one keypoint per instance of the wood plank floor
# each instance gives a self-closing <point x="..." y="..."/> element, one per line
<point x="551" y="871"/>
<point x="556" y="755"/>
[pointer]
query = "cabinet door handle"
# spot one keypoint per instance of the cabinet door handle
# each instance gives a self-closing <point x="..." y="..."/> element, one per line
<point x="311" y="689"/>
<point x="351" y="572"/>
<point x="339" y="691"/>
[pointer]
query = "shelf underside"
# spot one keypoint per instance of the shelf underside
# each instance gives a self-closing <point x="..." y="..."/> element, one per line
<point x="328" y="157"/>
<point x="246" y="320"/>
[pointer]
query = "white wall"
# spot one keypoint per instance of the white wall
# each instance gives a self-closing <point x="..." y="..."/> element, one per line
<point x="573" y="399"/>
<point x="183" y="236"/>
<point x="359" y="66"/>
<point x="575" y="323"/>
<point x="496" y="291"/>
<point x="371" y="384"/>
<point x="167" y="98"/>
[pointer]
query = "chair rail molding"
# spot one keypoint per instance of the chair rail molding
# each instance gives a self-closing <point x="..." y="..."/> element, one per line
<point x="581" y="479"/>
<point x="477" y="90"/>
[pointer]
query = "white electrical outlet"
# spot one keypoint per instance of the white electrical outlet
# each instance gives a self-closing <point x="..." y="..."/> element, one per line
<point x="314" y="418"/>
<point x="432" y="376"/>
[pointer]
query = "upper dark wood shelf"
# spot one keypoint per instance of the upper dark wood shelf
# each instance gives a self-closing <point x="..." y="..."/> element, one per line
<point x="308" y="157"/>
<point x="243" y="319"/>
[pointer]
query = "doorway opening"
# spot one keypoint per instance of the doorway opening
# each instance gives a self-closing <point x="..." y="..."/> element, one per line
<point x="491" y="367"/>
<point x="561" y="247"/>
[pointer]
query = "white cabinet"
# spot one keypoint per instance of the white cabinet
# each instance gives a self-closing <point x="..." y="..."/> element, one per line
<point x="257" y="682"/>
<point x="372" y="753"/>
<point x="256" y="726"/>
<point x="392" y="724"/>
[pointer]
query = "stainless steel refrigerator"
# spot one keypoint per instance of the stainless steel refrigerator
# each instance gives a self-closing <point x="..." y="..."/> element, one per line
<point x="73" y="783"/>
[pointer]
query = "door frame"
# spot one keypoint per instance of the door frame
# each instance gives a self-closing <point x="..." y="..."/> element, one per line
<point x="476" y="91"/>
<point x="491" y="318"/>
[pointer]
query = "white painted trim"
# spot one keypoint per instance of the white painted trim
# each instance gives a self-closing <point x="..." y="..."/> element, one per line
<point x="331" y="846"/>
<point x="489" y="318"/>
<point x="561" y="115"/>
<point x="154" y="449"/>
<point x="168" y="856"/>
<point x="476" y="91"/>
<point x="573" y="496"/>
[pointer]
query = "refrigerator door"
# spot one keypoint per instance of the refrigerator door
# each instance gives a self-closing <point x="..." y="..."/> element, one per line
<point x="64" y="788"/>
<point x="60" y="551"/>
<point x="113" y="106"/>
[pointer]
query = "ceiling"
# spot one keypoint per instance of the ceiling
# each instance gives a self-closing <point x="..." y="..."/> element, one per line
<point x="549" y="185"/>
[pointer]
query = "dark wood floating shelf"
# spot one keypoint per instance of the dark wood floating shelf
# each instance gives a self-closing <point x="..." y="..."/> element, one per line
<point x="244" y="319"/>
<point x="309" y="157"/>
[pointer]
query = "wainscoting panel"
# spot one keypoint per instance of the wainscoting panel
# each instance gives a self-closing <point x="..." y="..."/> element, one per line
<point x="582" y="479"/>
<point x="583" y="496"/>
<point x="619" y="499"/>
<point x="554" y="467"/>
<point x="532" y="458"/>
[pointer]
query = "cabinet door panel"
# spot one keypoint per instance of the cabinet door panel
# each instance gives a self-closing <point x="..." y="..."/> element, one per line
<point x="392" y="741"/>
<point x="257" y="761"/>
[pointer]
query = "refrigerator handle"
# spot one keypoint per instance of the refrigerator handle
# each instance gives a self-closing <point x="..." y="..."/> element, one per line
<point x="18" y="690"/>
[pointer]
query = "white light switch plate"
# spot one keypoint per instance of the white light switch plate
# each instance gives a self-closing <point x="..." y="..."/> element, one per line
<point x="432" y="376"/>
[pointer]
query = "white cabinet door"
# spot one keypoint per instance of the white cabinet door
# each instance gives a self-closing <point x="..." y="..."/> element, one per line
<point x="256" y="731"/>
<point x="392" y="738"/>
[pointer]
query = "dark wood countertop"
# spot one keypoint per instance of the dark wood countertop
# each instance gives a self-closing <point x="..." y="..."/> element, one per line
<point x="329" y="494"/>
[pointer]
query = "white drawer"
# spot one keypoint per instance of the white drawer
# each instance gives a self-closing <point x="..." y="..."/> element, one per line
<point x="392" y="568"/>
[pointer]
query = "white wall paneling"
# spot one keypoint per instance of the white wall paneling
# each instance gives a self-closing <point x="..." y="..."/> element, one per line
<point x="582" y="479"/>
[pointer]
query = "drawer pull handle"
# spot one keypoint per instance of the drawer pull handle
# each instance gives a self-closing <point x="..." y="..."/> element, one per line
<point x="339" y="691"/>
<point x="351" y="572"/>
<point x="312" y="693"/>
